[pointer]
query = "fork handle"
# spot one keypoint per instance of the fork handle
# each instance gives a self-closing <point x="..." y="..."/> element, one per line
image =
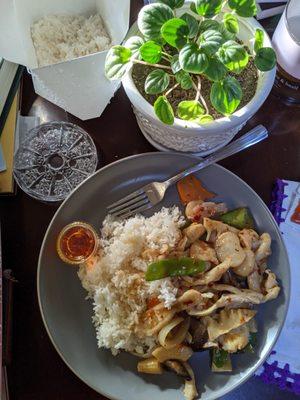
<point x="252" y="137"/>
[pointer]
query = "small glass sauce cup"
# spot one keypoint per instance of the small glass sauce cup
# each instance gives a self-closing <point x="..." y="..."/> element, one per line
<point x="77" y="242"/>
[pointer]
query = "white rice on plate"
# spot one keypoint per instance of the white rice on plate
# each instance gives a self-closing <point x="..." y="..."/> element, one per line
<point x="115" y="282"/>
<point x="62" y="37"/>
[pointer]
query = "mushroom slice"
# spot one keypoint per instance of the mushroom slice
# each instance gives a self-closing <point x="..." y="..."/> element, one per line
<point x="222" y="287"/>
<point x="178" y="368"/>
<point x="270" y="286"/>
<point x="227" y="320"/>
<point x="235" y="340"/>
<point x="214" y="274"/>
<point x="254" y="280"/>
<point x="203" y="251"/>
<point x="190" y="390"/>
<point x="194" y="232"/>
<point x="217" y="227"/>
<point x="198" y="332"/>
<point x="228" y="246"/>
<point x="192" y="298"/>
<point x="264" y="249"/>
<point x="249" y="239"/>
<point x="247" y="265"/>
<point x="232" y="300"/>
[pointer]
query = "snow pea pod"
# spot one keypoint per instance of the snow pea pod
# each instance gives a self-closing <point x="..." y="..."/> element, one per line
<point x="174" y="267"/>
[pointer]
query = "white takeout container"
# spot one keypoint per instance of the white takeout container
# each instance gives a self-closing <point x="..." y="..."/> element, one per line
<point x="79" y="86"/>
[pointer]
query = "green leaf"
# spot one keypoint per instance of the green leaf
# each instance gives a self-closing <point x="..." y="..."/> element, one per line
<point x="184" y="79"/>
<point x="226" y="34"/>
<point x="265" y="59"/>
<point x="157" y="81"/>
<point x="215" y="25"/>
<point x="134" y="43"/>
<point x="233" y="56"/>
<point x="231" y="23"/>
<point x="259" y="40"/>
<point x="152" y="17"/>
<point x="163" y="110"/>
<point x="215" y="70"/>
<point x="175" y="64"/>
<point x="175" y="32"/>
<point x="190" y="110"/>
<point x="226" y="95"/>
<point x="192" y="59"/>
<point x="117" y="62"/>
<point x="192" y="23"/>
<point x="210" y="41"/>
<point x="208" y="8"/>
<point x="172" y="3"/>
<point x="207" y="24"/>
<point x="244" y="8"/>
<point x="150" y="52"/>
<point x="205" y="119"/>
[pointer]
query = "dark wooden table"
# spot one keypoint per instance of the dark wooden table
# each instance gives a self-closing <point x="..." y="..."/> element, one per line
<point x="37" y="371"/>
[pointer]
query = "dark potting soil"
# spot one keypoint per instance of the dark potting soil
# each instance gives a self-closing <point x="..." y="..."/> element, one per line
<point x="247" y="78"/>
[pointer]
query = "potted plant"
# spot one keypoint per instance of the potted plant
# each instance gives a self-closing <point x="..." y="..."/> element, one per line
<point x="195" y="72"/>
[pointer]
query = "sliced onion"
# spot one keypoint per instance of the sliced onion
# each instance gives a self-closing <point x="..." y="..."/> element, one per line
<point x="169" y="338"/>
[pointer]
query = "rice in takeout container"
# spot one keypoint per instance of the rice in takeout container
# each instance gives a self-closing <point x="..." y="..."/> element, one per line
<point x="79" y="85"/>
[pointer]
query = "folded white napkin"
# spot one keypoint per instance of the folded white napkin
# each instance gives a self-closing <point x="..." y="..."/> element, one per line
<point x="283" y="366"/>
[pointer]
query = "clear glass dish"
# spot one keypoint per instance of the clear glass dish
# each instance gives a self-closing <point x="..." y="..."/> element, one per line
<point x="53" y="160"/>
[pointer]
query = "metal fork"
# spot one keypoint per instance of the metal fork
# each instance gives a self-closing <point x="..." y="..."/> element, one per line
<point x="153" y="193"/>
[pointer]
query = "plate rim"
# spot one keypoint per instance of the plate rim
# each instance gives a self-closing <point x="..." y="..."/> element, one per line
<point x="151" y="154"/>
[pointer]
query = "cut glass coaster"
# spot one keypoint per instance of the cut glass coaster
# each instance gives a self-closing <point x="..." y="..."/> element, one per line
<point x="53" y="160"/>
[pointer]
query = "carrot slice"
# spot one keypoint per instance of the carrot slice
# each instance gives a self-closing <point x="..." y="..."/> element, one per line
<point x="152" y="302"/>
<point x="190" y="188"/>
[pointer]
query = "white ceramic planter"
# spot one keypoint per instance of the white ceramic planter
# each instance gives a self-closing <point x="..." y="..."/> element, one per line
<point x="187" y="136"/>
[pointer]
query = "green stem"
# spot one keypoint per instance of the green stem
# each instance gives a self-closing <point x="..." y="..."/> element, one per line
<point x="151" y="65"/>
<point x="171" y="89"/>
<point x="223" y="4"/>
<point x="166" y="54"/>
<point x="199" y="94"/>
<point x="165" y="58"/>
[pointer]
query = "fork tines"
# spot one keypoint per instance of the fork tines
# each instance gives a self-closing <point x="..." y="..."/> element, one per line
<point x="134" y="203"/>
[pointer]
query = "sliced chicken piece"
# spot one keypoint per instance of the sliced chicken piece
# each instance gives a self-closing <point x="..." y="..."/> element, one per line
<point x="194" y="232"/>
<point x="214" y="274"/>
<point x="216" y="227"/>
<point x="249" y="239"/>
<point x="247" y="265"/>
<point x="202" y="251"/>
<point x="254" y="280"/>
<point x="228" y="246"/>
<point x="235" y="340"/>
<point x="196" y="210"/>
<point x="183" y="243"/>
<point x="246" y="297"/>
<point x="264" y="249"/>
<point x="226" y="321"/>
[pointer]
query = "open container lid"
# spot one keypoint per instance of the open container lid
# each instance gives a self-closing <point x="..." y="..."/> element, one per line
<point x="79" y="86"/>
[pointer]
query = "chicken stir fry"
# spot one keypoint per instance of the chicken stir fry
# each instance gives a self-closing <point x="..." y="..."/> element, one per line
<point x="220" y="268"/>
